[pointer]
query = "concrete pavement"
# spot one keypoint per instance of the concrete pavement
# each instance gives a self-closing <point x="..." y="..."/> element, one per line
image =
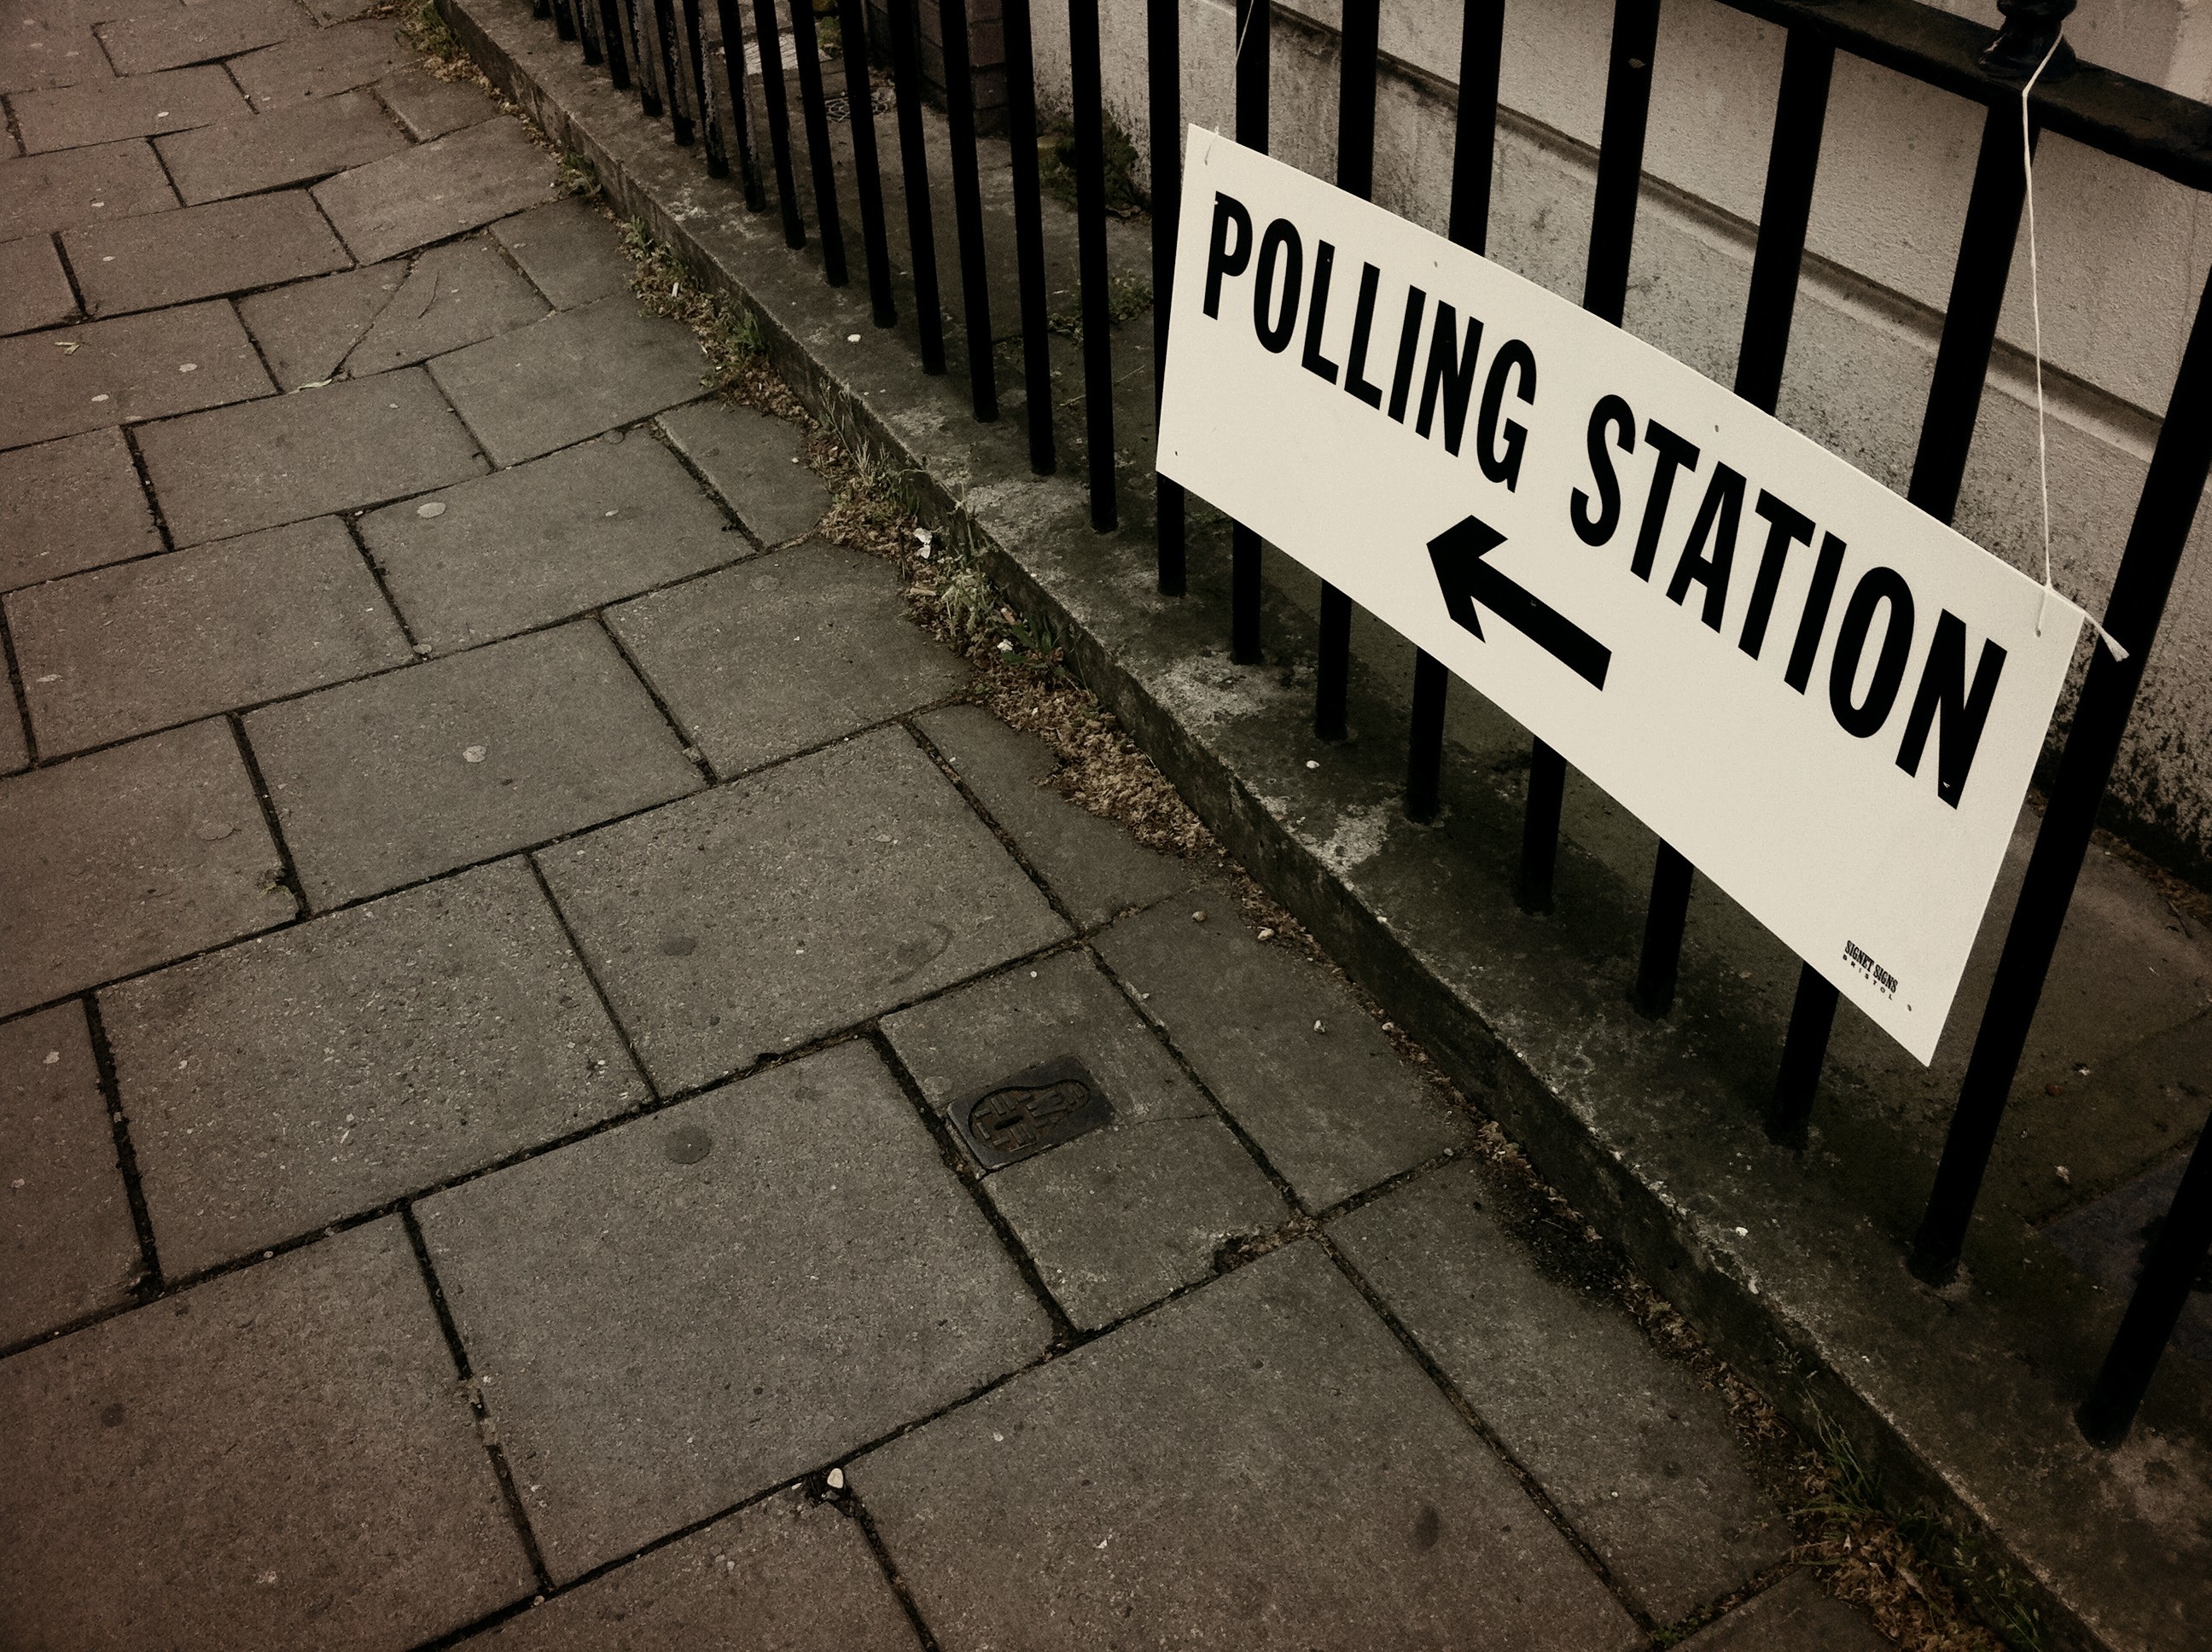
<point x="503" y="926"/>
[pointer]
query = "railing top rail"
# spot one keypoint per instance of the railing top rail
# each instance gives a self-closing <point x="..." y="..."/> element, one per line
<point x="2130" y="119"/>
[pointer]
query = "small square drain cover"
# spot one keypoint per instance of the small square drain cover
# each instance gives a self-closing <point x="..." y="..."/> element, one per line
<point x="1039" y="1107"/>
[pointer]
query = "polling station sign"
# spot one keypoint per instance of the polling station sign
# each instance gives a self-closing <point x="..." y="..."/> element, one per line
<point x="1830" y="703"/>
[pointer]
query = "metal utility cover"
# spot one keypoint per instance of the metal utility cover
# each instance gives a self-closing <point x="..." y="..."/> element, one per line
<point x="1037" y="1108"/>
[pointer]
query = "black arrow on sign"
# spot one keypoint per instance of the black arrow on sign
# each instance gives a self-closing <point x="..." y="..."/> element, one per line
<point x="1466" y="579"/>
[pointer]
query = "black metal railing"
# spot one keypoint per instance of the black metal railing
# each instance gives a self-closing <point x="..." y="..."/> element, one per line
<point x="660" y="48"/>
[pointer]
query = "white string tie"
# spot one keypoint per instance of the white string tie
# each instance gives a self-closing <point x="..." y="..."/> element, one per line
<point x="2035" y="309"/>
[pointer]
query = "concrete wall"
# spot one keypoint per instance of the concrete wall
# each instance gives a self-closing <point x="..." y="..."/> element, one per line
<point x="2124" y="256"/>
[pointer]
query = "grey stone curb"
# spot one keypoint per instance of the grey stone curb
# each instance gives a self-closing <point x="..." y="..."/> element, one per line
<point x="1959" y="1401"/>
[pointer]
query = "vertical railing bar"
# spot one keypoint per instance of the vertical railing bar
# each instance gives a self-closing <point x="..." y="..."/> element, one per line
<point x="1028" y="233"/>
<point x="968" y="209"/>
<point x="564" y="20"/>
<point x="1355" y="175"/>
<point x="587" y="32"/>
<point x="1163" y="124"/>
<point x="1474" y="141"/>
<point x="639" y="33"/>
<point x="814" y="106"/>
<point x="914" y="168"/>
<point x="741" y="110"/>
<point x="1605" y="294"/>
<point x="671" y="88"/>
<point x="1666" y="920"/>
<point x="734" y="72"/>
<point x="1793" y="163"/>
<point x="1253" y="49"/>
<point x="867" y="170"/>
<point x="1800" y="118"/>
<point x="768" y="36"/>
<point x="612" y="45"/>
<point x="1970" y="320"/>
<point x="1621" y="157"/>
<point x="692" y="19"/>
<point x="1946" y="433"/>
<point x="1087" y="70"/>
<point x="2171" y="490"/>
<point x="2170" y="1270"/>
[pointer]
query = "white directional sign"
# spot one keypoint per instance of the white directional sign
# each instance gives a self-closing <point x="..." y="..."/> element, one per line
<point x="1828" y="701"/>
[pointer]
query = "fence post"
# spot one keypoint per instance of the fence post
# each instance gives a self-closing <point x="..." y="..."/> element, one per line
<point x="1164" y="123"/>
<point x="1029" y="234"/>
<point x="1249" y="67"/>
<point x="1474" y="142"/>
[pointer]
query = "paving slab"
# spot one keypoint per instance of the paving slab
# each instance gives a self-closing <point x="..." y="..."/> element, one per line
<point x="294" y="1080"/>
<point x="768" y="913"/>
<point x="34" y="289"/>
<point x="1641" y="1460"/>
<point x="135" y="105"/>
<point x="14" y="744"/>
<point x="289" y="145"/>
<point x="329" y="61"/>
<point x="40" y="50"/>
<point x="168" y="639"/>
<point x="69" y="505"/>
<point x="784" y="651"/>
<point x="1095" y="868"/>
<point x="43" y="192"/>
<point x="280" y="1458"/>
<point x="756" y="461"/>
<point x="123" y="370"/>
<point x="455" y="295"/>
<point x="200" y="251"/>
<point x="199" y="32"/>
<point x="552" y="537"/>
<point x="1793" y="1616"/>
<point x="1118" y="1219"/>
<point x="375" y="787"/>
<point x="428" y="107"/>
<point x="68" y="1246"/>
<point x="1289" y="1051"/>
<point x="573" y="375"/>
<point x="567" y="247"/>
<point x="788" y="1575"/>
<point x="459" y="183"/>
<point x="129" y="858"/>
<point x="1259" y="1465"/>
<point x="797" y="1274"/>
<point x="307" y="330"/>
<point x="286" y="458"/>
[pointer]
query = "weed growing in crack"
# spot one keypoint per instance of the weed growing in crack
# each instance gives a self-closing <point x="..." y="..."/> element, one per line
<point x="1883" y="1560"/>
<point x="423" y="26"/>
<point x="728" y="333"/>
<point x="1056" y="160"/>
<point x="576" y="175"/>
<point x="1128" y="299"/>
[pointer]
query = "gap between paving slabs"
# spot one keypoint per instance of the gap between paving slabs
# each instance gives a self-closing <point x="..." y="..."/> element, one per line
<point x="1023" y="676"/>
